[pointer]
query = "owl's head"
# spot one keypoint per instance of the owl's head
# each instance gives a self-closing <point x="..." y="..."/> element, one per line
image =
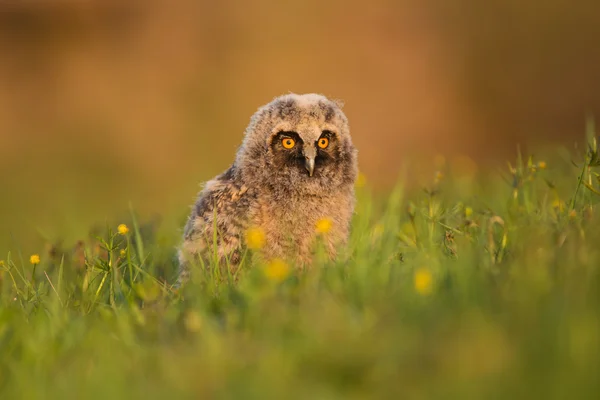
<point x="299" y="143"/>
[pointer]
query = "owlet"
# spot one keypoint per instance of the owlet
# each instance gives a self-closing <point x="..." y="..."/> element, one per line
<point x="295" y="169"/>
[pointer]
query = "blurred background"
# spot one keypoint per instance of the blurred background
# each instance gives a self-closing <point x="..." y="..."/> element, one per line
<point x="103" y="102"/>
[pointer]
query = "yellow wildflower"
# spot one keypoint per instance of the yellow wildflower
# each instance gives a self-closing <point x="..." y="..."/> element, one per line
<point x="542" y="165"/>
<point x="324" y="225"/>
<point x="34" y="259"/>
<point x="277" y="270"/>
<point x="423" y="281"/>
<point x="123" y="229"/>
<point x="123" y="253"/>
<point x="255" y="238"/>
<point x="361" y="180"/>
<point x="1" y="263"/>
<point x="468" y="212"/>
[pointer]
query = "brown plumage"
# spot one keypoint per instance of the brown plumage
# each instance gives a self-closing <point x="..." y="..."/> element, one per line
<point x="296" y="165"/>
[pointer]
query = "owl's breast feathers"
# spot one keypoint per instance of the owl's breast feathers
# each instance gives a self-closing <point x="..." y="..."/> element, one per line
<point x="230" y="206"/>
<point x="291" y="223"/>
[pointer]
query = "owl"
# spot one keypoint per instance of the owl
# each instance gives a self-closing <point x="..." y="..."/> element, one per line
<point x="295" y="168"/>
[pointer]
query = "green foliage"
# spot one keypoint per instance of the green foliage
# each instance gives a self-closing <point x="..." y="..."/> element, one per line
<point x="476" y="287"/>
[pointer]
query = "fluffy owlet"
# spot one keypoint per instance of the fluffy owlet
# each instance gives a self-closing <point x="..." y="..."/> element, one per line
<point x="296" y="166"/>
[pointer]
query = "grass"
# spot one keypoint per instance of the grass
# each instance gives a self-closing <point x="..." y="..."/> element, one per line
<point x="483" y="285"/>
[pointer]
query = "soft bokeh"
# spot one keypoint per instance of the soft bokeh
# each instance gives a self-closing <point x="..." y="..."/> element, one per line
<point x="105" y="102"/>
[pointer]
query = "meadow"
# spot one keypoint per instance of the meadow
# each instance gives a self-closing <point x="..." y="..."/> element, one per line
<point x="481" y="283"/>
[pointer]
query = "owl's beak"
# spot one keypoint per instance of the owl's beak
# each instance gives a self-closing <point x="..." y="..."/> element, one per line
<point x="309" y="163"/>
<point x="309" y="159"/>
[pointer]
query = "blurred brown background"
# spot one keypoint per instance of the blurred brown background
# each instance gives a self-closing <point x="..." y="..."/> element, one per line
<point x="107" y="101"/>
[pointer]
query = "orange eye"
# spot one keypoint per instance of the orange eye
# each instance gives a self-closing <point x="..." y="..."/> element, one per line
<point x="288" y="143"/>
<point x="323" y="142"/>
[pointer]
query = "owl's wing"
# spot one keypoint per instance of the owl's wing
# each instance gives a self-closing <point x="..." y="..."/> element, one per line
<point x="217" y="222"/>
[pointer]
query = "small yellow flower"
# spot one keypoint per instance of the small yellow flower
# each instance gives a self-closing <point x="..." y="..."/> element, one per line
<point x="34" y="259"/>
<point x="542" y="165"/>
<point x="572" y="214"/>
<point x="123" y="253"/>
<point x="255" y="238"/>
<point x="423" y="281"/>
<point x="2" y="263"/>
<point x="361" y="180"/>
<point x="123" y="229"/>
<point x="277" y="270"/>
<point x="468" y="212"/>
<point x="324" y="225"/>
<point x="438" y="177"/>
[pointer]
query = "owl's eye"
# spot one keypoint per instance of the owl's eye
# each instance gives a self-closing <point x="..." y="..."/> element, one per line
<point x="288" y="143"/>
<point x="323" y="142"/>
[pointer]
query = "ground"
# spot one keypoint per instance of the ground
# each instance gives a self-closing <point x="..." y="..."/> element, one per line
<point x="484" y="284"/>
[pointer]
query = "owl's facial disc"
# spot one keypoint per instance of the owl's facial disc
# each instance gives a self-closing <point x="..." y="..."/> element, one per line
<point x="298" y="145"/>
<point x="308" y="154"/>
